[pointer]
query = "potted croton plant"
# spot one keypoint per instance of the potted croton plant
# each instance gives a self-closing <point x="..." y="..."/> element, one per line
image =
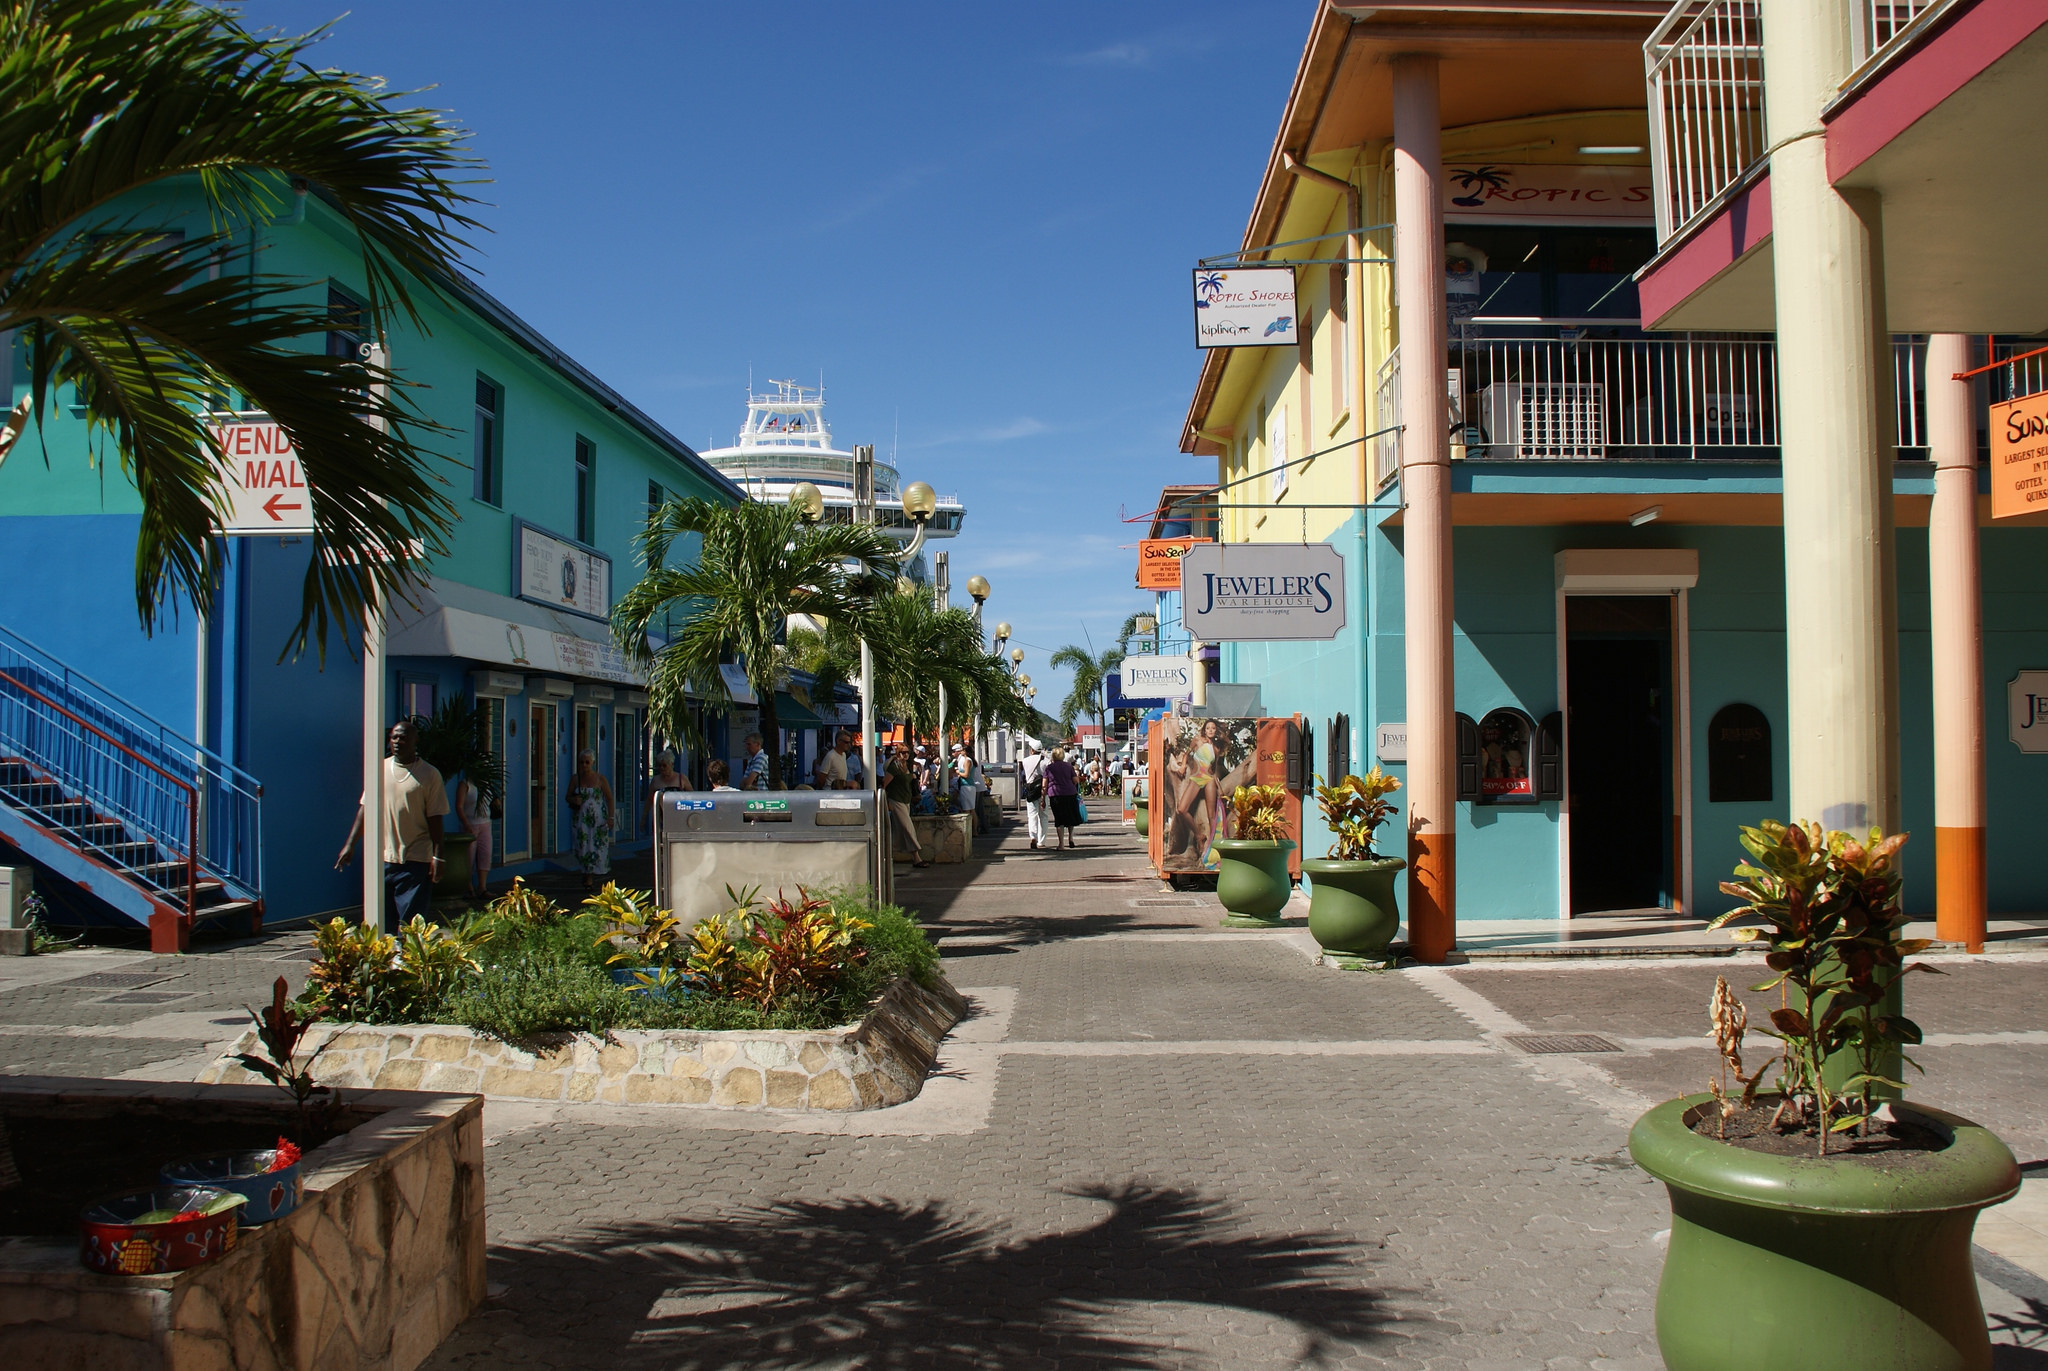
<point x="1252" y="879"/>
<point x="1825" y="1223"/>
<point x="1351" y="909"/>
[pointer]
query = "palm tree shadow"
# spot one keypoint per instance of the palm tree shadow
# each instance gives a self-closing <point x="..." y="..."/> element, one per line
<point x="878" y="1283"/>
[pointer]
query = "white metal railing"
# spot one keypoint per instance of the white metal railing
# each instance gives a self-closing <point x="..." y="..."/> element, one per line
<point x="2018" y="378"/>
<point x="1705" y="65"/>
<point x="1680" y="398"/>
<point x="1878" y="22"/>
<point x="1386" y="409"/>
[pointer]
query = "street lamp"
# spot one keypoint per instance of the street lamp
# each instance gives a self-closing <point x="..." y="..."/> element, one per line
<point x="1017" y="656"/>
<point x="919" y="502"/>
<point x="808" y="501"/>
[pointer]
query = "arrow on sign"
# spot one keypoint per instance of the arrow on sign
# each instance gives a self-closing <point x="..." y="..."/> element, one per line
<point x="271" y="507"/>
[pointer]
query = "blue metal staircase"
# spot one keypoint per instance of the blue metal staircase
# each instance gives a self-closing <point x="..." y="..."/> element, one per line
<point x="149" y="826"/>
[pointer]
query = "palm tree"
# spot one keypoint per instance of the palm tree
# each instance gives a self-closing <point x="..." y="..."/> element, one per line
<point x="917" y="648"/>
<point x="106" y="96"/>
<point x="758" y="565"/>
<point x="1091" y="681"/>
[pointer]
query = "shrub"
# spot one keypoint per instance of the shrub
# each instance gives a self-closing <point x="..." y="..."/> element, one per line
<point x="531" y="993"/>
<point x="1261" y="812"/>
<point x="1354" y="808"/>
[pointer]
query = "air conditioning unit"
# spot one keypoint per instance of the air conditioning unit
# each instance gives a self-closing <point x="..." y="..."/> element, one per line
<point x="502" y="685"/>
<point x="594" y="694"/>
<point x="550" y="687"/>
<point x="1554" y="420"/>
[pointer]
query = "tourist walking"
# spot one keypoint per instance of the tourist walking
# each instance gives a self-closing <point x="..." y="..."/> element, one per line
<point x="665" y="776"/>
<point x="830" y="772"/>
<point x="754" y="776"/>
<point x="901" y="794"/>
<point x="717" y="775"/>
<point x="415" y="799"/>
<point x="590" y="802"/>
<point x="1063" y="791"/>
<point x="1031" y="791"/>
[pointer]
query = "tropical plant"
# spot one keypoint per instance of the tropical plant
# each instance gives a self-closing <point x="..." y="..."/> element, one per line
<point x="1730" y="1020"/>
<point x="917" y="648"/>
<point x="350" y="975"/>
<point x="757" y="565"/>
<point x="455" y="743"/>
<point x="1831" y="919"/>
<point x="280" y="1029"/>
<point x="1261" y="812"/>
<point x="522" y="902"/>
<point x="433" y="960"/>
<point x="1354" y="808"/>
<point x="636" y="930"/>
<point x="1088" y="694"/>
<point x="148" y="334"/>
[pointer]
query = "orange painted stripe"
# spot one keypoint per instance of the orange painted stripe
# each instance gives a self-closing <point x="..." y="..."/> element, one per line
<point x="1961" y="900"/>
<point x="1432" y="895"/>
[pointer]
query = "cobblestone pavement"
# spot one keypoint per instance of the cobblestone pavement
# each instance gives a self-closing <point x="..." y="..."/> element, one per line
<point x="1159" y="1144"/>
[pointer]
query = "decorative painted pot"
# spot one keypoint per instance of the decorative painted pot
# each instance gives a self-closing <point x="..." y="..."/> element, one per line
<point x="1351" y="909"/>
<point x="1144" y="816"/>
<point x="112" y="1242"/>
<point x="1813" y="1264"/>
<point x="1252" y="880"/>
<point x="271" y="1194"/>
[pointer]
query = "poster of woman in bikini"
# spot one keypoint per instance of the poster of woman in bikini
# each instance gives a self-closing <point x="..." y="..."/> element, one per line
<point x="1204" y="762"/>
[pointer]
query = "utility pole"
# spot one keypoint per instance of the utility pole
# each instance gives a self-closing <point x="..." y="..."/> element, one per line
<point x="864" y="514"/>
<point x="373" y="714"/>
<point x="942" y="596"/>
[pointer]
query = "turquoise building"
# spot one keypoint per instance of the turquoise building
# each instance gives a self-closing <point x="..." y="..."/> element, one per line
<point x="551" y="473"/>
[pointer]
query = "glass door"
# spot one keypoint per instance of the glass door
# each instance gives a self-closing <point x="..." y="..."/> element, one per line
<point x="540" y="772"/>
<point x="493" y="710"/>
<point x="626" y="788"/>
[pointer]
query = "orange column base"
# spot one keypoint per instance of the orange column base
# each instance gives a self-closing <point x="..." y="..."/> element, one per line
<point x="1432" y="895"/>
<point x="1961" y="901"/>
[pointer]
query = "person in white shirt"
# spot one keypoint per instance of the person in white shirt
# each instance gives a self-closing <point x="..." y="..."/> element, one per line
<point x="415" y="799"/>
<point x="830" y="773"/>
<point x="1031" y="791"/>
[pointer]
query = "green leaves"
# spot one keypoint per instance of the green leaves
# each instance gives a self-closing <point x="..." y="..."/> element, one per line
<point x="1354" y="808"/>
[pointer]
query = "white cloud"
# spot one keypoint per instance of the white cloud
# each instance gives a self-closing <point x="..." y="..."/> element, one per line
<point x="1114" y="55"/>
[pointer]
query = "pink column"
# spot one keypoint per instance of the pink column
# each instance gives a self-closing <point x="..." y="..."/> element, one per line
<point x="1426" y="521"/>
<point x="1958" y="647"/>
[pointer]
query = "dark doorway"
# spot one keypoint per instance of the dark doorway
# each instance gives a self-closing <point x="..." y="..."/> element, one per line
<point x="1618" y="679"/>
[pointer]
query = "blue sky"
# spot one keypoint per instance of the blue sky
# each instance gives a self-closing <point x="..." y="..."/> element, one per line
<point x="975" y="221"/>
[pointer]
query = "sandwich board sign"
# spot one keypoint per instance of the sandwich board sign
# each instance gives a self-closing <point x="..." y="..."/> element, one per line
<point x="266" y="485"/>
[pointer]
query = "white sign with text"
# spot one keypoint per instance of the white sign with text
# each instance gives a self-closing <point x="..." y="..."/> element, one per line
<point x="265" y="483"/>
<point x="1245" y="307"/>
<point x="1262" y="592"/>
<point x="1158" y="678"/>
<point x="2026" y="711"/>
<point x="563" y="575"/>
<point x="1390" y="742"/>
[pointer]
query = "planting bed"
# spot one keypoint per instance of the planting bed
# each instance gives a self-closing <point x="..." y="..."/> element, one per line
<point x="880" y="1061"/>
<point x="382" y="1260"/>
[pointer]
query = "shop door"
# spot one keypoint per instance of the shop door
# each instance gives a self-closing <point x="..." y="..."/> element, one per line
<point x="586" y="737"/>
<point x="493" y="711"/>
<point x="540" y="772"/>
<point x="1618" y="682"/>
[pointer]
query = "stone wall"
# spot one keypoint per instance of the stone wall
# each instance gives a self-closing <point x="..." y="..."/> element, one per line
<point x="943" y="837"/>
<point x="380" y="1262"/>
<point x="880" y="1061"/>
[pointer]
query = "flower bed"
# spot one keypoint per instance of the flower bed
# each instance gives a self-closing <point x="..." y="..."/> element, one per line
<point x="830" y="1003"/>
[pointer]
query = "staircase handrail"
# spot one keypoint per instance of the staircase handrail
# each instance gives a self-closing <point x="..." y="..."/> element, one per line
<point x="131" y="713"/>
<point x="191" y="859"/>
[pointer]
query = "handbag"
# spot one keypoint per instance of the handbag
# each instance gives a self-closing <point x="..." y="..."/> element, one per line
<point x="1083" y="806"/>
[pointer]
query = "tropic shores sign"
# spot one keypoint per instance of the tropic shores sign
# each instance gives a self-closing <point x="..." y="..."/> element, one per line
<point x="1547" y="193"/>
<point x="1245" y="307"/>
<point x="1262" y="592"/>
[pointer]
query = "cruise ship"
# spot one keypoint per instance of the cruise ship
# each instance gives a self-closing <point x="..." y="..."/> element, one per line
<point x="786" y="441"/>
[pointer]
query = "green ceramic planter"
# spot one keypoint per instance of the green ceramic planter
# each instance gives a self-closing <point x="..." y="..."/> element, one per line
<point x="1252" y="880"/>
<point x="1351" y="909"/>
<point x="1805" y="1264"/>
<point x="1144" y="817"/>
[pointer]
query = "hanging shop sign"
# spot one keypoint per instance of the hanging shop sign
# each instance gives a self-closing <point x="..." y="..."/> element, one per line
<point x="558" y="573"/>
<point x="1159" y="679"/>
<point x="1262" y="592"/>
<point x="2026" y="711"/>
<point x="2019" y="456"/>
<point x="266" y="486"/>
<point x="1547" y="193"/>
<point x="1245" y="307"/>
<point x="1159" y="561"/>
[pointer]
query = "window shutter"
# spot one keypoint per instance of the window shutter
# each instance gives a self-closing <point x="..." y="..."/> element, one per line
<point x="1468" y="758"/>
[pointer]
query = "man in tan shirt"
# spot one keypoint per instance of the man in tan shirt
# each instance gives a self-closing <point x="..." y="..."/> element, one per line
<point x="415" y="798"/>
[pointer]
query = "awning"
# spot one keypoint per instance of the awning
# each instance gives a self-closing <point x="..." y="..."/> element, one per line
<point x="449" y="619"/>
<point x="790" y="714"/>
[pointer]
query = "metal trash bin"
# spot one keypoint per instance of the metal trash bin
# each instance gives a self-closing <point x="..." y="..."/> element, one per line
<point x="1002" y="783"/>
<point x="777" y="840"/>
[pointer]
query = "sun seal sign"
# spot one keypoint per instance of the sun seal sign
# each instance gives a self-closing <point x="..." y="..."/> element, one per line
<point x="568" y="580"/>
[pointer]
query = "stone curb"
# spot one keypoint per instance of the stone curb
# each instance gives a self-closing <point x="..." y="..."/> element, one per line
<point x="878" y="1062"/>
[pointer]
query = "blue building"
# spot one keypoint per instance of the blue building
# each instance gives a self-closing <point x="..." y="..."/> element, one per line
<point x="203" y="768"/>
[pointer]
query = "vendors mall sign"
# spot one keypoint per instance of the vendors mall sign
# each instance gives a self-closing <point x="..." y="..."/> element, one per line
<point x="1262" y="592"/>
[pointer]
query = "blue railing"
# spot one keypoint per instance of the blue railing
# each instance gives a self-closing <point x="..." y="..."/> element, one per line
<point x="198" y="810"/>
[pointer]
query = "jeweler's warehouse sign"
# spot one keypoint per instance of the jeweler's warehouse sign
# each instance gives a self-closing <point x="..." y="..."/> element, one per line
<point x="1547" y="193"/>
<point x="2019" y="457"/>
<point x="1159" y="561"/>
<point x="1245" y="307"/>
<point x="1262" y="592"/>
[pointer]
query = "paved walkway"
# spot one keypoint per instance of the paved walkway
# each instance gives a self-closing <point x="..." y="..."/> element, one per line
<point x="1157" y="1143"/>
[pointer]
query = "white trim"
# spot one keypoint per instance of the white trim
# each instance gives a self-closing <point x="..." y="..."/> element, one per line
<point x="1681" y="630"/>
<point x="1564" y="799"/>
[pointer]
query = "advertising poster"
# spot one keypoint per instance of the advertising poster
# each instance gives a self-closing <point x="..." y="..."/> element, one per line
<point x="1195" y="765"/>
<point x="1505" y="749"/>
<point x="2019" y="456"/>
<point x="1159" y="561"/>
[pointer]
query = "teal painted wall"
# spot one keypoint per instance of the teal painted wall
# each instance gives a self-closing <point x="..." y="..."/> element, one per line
<point x="1505" y="651"/>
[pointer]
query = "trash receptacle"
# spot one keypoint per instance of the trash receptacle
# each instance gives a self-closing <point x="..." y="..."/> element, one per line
<point x="779" y="841"/>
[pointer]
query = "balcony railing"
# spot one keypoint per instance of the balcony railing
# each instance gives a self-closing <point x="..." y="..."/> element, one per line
<point x="1641" y="399"/>
<point x="1705" y="64"/>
